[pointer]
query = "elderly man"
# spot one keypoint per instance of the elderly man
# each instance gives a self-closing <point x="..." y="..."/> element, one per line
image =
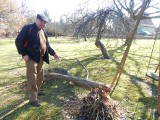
<point x="32" y="43"/>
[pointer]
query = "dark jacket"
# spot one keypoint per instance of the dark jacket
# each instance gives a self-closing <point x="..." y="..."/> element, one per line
<point x="29" y="33"/>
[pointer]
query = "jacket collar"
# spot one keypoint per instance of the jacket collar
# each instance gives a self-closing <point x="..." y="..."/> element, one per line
<point x="35" y="26"/>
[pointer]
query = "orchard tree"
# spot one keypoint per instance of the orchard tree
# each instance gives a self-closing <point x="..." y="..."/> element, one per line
<point x="120" y="18"/>
<point x="11" y="18"/>
<point x="127" y="13"/>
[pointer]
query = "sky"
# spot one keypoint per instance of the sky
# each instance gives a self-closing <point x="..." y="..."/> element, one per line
<point x="57" y="8"/>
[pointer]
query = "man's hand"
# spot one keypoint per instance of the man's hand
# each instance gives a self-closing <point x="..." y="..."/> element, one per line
<point x="56" y="57"/>
<point x="26" y="58"/>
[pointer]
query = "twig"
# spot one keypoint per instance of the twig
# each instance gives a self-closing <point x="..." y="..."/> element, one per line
<point x="84" y="68"/>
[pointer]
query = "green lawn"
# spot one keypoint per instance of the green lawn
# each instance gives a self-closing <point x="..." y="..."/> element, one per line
<point x="134" y="90"/>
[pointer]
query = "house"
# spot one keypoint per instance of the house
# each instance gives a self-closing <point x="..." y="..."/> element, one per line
<point x="146" y="25"/>
<point x="158" y="31"/>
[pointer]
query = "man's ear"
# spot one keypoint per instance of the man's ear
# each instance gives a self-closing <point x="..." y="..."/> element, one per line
<point x="35" y="20"/>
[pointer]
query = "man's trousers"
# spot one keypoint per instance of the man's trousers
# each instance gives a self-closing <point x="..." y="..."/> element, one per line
<point x="34" y="73"/>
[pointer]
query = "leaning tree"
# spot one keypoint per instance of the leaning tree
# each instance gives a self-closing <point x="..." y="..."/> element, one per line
<point x="94" y="24"/>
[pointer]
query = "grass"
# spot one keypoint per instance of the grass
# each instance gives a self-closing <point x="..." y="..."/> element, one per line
<point x="130" y="92"/>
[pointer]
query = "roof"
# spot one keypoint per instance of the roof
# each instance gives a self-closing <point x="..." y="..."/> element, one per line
<point x="158" y="29"/>
<point x="147" y="22"/>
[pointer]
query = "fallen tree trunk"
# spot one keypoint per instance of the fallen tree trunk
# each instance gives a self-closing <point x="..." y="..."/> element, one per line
<point x="89" y="85"/>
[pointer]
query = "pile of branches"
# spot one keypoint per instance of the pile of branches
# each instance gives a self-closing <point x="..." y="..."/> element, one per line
<point x="95" y="107"/>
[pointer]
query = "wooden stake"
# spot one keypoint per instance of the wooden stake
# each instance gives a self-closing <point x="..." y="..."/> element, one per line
<point x="158" y="101"/>
<point x="131" y="37"/>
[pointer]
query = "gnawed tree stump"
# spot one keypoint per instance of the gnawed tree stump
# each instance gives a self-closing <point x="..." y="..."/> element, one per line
<point x="93" y="107"/>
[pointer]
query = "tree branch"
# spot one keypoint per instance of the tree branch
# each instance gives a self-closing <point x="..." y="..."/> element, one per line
<point x="123" y="6"/>
<point x="145" y="17"/>
<point x="153" y="13"/>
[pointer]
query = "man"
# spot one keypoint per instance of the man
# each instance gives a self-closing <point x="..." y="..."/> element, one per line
<point x="32" y="43"/>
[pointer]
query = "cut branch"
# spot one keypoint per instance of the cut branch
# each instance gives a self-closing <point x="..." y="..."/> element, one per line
<point x="87" y="84"/>
<point x="87" y="73"/>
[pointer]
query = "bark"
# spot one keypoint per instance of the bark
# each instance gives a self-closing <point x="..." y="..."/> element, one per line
<point x="127" y="40"/>
<point x="101" y="46"/>
<point x="87" y="84"/>
<point x="98" y="43"/>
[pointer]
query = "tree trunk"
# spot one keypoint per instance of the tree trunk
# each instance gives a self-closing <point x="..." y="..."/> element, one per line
<point x="98" y="43"/>
<point x="127" y="40"/>
<point x="85" y="38"/>
<point x="101" y="46"/>
<point x="87" y="84"/>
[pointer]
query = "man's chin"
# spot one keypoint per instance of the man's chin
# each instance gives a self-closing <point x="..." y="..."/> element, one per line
<point x="40" y="28"/>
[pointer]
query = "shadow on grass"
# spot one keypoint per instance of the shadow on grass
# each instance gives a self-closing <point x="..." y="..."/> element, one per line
<point x="150" y="101"/>
<point x="85" y="62"/>
<point x="118" y="49"/>
<point x="92" y="58"/>
<point x="10" y="68"/>
<point x="152" y="87"/>
<point x="113" y="51"/>
<point x="59" y="91"/>
<point x="10" y="111"/>
<point x="56" y="93"/>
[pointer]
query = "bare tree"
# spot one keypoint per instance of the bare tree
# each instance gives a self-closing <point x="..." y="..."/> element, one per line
<point x="27" y="11"/>
<point x="11" y="18"/>
<point x="95" y="23"/>
<point x="136" y="11"/>
<point x="119" y="20"/>
<point x="46" y="12"/>
<point x="129" y="14"/>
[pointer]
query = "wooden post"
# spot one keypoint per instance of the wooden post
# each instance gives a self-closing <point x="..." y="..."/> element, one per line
<point x="130" y="38"/>
<point x="158" y="101"/>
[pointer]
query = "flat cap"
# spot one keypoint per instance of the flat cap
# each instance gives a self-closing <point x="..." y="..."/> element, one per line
<point x="42" y="17"/>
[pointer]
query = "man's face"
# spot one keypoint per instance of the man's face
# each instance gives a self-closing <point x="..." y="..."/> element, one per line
<point x="40" y="23"/>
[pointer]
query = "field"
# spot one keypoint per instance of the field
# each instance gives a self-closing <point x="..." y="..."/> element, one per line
<point x="135" y="92"/>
